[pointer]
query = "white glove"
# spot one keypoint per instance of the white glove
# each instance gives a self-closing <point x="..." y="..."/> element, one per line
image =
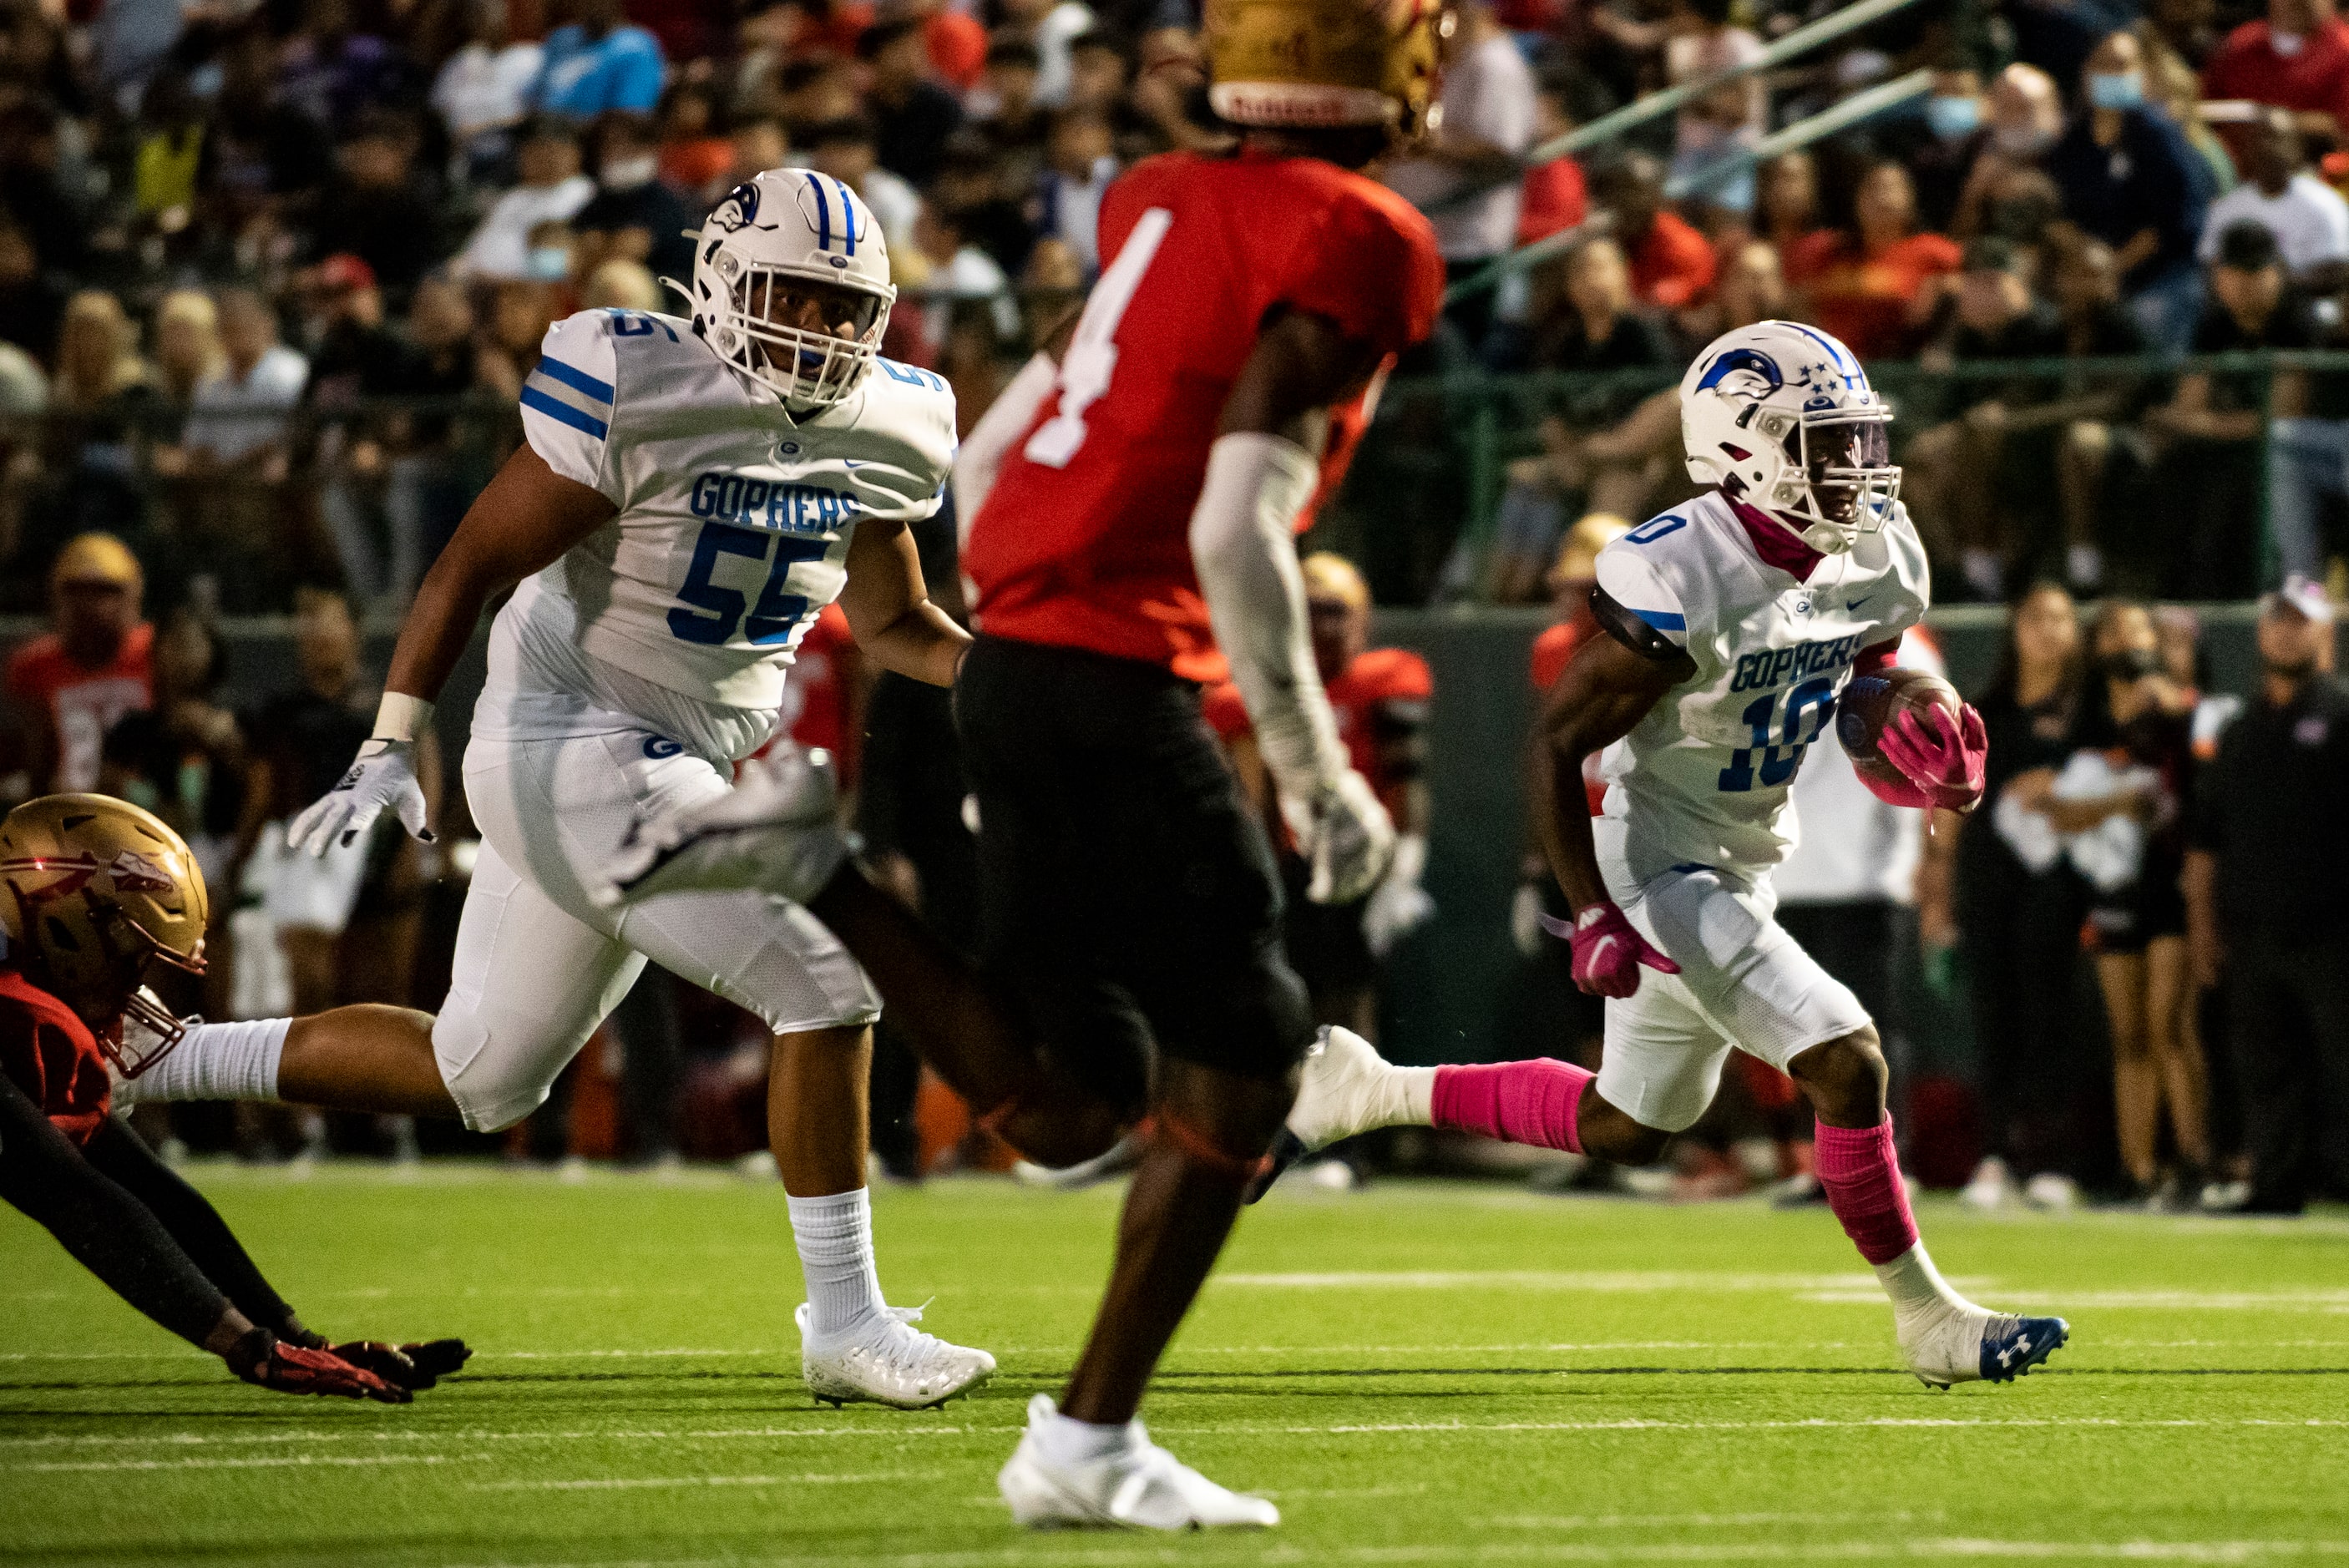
<point x="1401" y="905"/>
<point x="383" y="775"/>
<point x="1525" y="920"/>
<point x="1344" y="835"/>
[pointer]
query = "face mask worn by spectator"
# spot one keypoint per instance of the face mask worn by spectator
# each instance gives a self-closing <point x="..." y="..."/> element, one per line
<point x="791" y="285"/>
<point x="2117" y="89"/>
<point x="1953" y="118"/>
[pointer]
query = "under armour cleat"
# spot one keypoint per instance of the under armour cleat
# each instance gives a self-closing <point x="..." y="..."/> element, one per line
<point x="1139" y="1485"/>
<point x="1950" y="1345"/>
<point x="777" y="830"/>
<point x="888" y="1362"/>
<point x="1345" y="1087"/>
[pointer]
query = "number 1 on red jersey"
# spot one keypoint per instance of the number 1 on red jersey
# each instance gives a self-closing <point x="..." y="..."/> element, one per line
<point x="1085" y="369"/>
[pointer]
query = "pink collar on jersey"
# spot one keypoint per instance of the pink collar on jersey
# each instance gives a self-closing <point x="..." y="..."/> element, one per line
<point x="1776" y="546"/>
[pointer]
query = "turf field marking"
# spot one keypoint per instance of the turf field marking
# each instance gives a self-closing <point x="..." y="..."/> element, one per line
<point x="2152" y="1300"/>
<point x="267" y="1462"/>
<point x="1604" y="1281"/>
<point x="634" y="1482"/>
<point x="1696" y="1520"/>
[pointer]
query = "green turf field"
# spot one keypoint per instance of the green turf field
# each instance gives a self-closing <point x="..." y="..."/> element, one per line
<point x="1418" y="1372"/>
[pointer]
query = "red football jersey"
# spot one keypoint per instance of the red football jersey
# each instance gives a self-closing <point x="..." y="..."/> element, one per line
<point x="1084" y="541"/>
<point x="82" y="702"/>
<point x="1376" y="677"/>
<point x="819" y="671"/>
<point x="50" y="1053"/>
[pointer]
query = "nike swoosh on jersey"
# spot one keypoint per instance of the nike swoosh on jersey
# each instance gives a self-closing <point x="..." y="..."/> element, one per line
<point x="1854" y="604"/>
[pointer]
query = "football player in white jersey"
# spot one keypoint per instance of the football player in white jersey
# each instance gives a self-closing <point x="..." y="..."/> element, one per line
<point x="1734" y="624"/>
<point x="690" y="494"/>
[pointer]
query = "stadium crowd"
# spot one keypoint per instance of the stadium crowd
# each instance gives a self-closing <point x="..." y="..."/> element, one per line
<point x="272" y="272"/>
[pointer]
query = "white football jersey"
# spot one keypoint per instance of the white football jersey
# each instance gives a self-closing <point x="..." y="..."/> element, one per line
<point x="1703" y="778"/>
<point x="732" y="532"/>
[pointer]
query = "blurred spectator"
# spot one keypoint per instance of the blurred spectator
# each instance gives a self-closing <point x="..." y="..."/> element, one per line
<point x="1605" y="449"/>
<point x="2172" y="87"/>
<point x="2015" y="906"/>
<point x="1052" y="290"/>
<point x="241" y="409"/>
<point x="1874" y="285"/>
<point x="1984" y="481"/>
<point x="1954" y="115"/>
<point x="2270" y="849"/>
<point x="2025" y="121"/>
<point x="1786" y="200"/>
<point x="354" y="357"/>
<point x="33" y="187"/>
<point x="913" y="113"/>
<point x="2137" y="758"/>
<point x="187" y="342"/>
<point x="2129" y="178"/>
<point x="1012" y="124"/>
<point x="184" y="757"/>
<point x="1487" y="122"/>
<point x="2106" y="457"/>
<point x="849" y="150"/>
<point x="24" y="389"/>
<point x="170" y="133"/>
<point x="483" y="91"/>
<point x="333" y="74"/>
<point x="1552" y="196"/>
<point x="1716" y="126"/>
<point x="598" y="63"/>
<point x="1079" y="166"/>
<point x="694" y="159"/>
<point x="31" y="301"/>
<point x="2308" y="217"/>
<point x="1381" y="698"/>
<point x="1751" y="287"/>
<point x="1049" y="26"/>
<point x="552" y="189"/>
<point x="620" y="284"/>
<point x="1097" y="68"/>
<point x="73" y="683"/>
<point x="633" y="216"/>
<point x="2212" y="425"/>
<point x="1671" y="264"/>
<point x="97" y="356"/>
<point x="376" y="210"/>
<point x="2297" y="58"/>
<point x="757" y="145"/>
<point x="955" y="38"/>
<point x="960" y="271"/>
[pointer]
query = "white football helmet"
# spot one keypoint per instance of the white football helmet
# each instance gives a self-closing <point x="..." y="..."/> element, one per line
<point x="755" y="255"/>
<point x="1781" y="417"/>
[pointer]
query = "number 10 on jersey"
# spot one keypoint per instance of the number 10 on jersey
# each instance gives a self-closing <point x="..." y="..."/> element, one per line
<point x="1809" y="707"/>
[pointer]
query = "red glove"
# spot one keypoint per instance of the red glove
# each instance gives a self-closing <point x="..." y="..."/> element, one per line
<point x="1608" y="949"/>
<point x="1942" y="757"/>
<point x="273" y="1363"/>
<point x="412" y="1366"/>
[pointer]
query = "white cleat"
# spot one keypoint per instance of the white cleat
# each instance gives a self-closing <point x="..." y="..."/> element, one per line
<point x="1139" y="1487"/>
<point x="1345" y="1087"/>
<point x="1114" y="1162"/>
<point x="889" y="1363"/>
<point x="777" y="830"/>
<point x="1951" y="1343"/>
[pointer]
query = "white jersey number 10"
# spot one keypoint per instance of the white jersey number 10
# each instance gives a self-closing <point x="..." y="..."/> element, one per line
<point x="1093" y="354"/>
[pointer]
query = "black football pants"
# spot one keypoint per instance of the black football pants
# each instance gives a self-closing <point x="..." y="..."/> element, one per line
<point x="2288" y="1024"/>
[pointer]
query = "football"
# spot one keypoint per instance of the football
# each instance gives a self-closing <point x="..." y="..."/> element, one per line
<point x="1871" y="702"/>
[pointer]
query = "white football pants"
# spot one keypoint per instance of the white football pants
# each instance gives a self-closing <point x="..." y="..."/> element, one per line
<point x="539" y="965"/>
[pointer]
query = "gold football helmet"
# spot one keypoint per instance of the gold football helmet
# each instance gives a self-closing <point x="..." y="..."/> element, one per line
<point x="1304" y="64"/>
<point x="92" y="891"/>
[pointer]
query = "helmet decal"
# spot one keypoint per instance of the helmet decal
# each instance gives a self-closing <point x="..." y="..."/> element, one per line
<point x="75" y="872"/>
<point x="134" y="873"/>
<point x="821" y="218"/>
<point x="736" y="211"/>
<point x="1760" y="375"/>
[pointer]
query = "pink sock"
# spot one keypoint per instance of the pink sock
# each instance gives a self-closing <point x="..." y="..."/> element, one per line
<point x="1862" y="1177"/>
<point x="1525" y="1102"/>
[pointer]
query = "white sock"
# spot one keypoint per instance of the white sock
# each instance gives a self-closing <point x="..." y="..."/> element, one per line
<point x="1414" y="1096"/>
<point x="1914" y="1284"/>
<point x="1065" y="1440"/>
<point x="214" y="1061"/>
<point x="834" y="1235"/>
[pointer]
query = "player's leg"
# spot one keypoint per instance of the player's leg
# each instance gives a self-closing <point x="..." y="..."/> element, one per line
<point x="2177" y="1054"/>
<point x="364" y="1057"/>
<point x="777" y="960"/>
<point x="2137" y="1081"/>
<point x="114" y="1235"/>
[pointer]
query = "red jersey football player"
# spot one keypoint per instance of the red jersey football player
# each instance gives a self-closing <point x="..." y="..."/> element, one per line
<point x="1134" y="499"/>
<point x="93" y="891"/>
<point x="1380" y="698"/>
<point x="69" y="684"/>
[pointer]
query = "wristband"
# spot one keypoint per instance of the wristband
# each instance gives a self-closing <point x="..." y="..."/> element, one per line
<point x="401" y="717"/>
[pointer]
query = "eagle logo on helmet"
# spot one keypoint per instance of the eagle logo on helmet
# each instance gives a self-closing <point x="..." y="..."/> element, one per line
<point x="736" y="211"/>
<point x="1742" y="373"/>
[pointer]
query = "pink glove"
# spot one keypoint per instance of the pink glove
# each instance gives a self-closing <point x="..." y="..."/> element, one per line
<point x="1943" y="758"/>
<point x="1898" y="791"/>
<point x="1608" y="949"/>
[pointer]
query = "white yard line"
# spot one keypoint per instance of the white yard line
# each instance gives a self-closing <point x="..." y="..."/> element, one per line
<point x="636" y="1483"/>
